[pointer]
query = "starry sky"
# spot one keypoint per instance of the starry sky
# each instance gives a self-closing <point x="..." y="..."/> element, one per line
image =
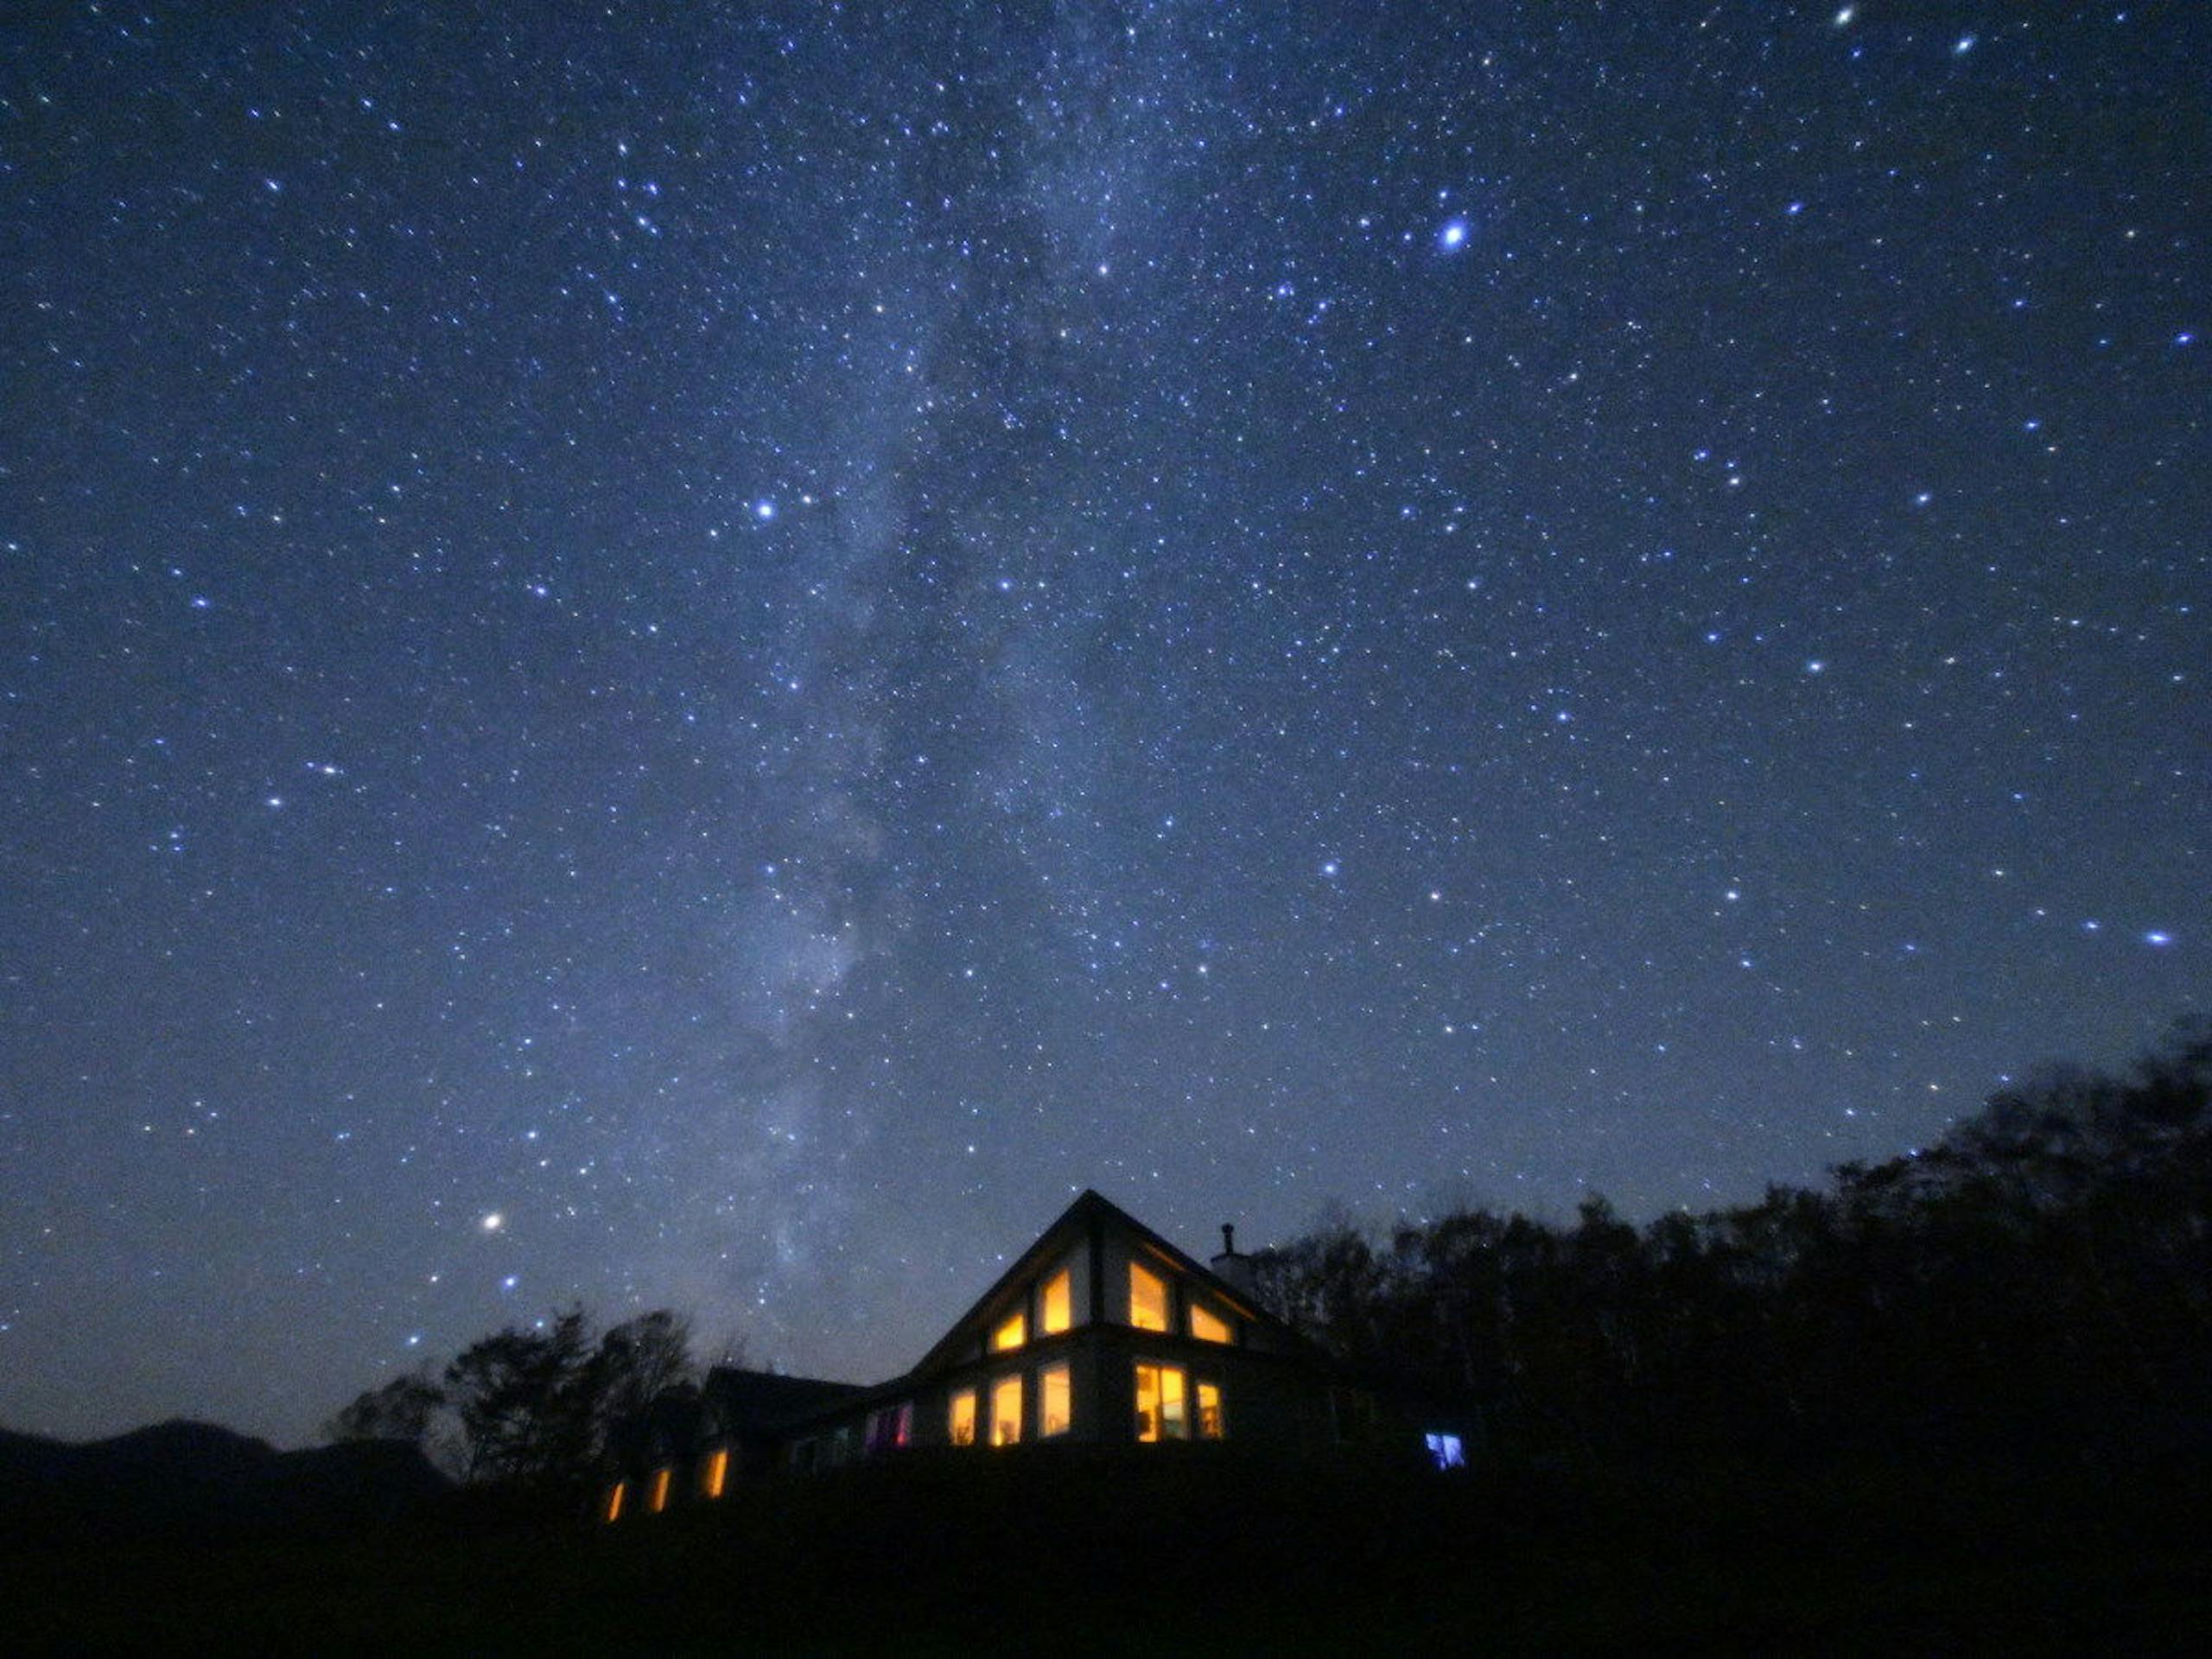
<point x="699" y="655"/>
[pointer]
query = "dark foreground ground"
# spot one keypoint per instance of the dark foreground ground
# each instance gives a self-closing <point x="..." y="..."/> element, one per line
<point x="1200" y="1554"/>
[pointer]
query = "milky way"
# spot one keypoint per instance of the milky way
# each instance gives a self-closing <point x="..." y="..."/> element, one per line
<point x="706" y="655"/>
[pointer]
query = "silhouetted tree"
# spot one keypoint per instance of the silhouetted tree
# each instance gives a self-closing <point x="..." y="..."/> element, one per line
<point x="539" y="1405"/>
<point x="403" y="1409"/>
<point x="636" y="1362"/>
<point x="2042" y="1275"/>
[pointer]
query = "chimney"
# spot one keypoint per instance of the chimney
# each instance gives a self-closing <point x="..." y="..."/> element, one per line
<point x="1232" y="1269"/>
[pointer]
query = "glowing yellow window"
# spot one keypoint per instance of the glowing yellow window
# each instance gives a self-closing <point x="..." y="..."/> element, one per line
<point x="1207" y="1325"/>
<point x="716" y="1475"/>
<point x="1148" y="1300"/>
<point x="1006" y="1411"/>
<point x="1210" y="1424"/>
<point x="1055" y="1311"/>
<point x="1160" y="1404"/>
<point x="1055" y="1401"/>
<point x="660" y="1489"/>
<point x="962" y="1427"/>
<point x="1011" y="1334"/>
<point x="614" y="1500"/>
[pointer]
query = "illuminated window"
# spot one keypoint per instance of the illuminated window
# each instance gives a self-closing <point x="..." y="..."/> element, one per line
<point x="1208" y="1326"/>
<point x="1447" y="1452"/>
<point x="614" y="1500"/>
<point x="1148" y="1300"/>
<point x="1209" y="1423"/>
<point x="1056" y="1310"/>
<point x="1006" y="1411"/>
<point x="1012" y="1334"/>
<point x="1160" y="1404"/>
<point x="964" y="1418"/>
<point x="1054" y="1401"/>
<point x="660" y="1489"/>
<point x="716" y="1475"/>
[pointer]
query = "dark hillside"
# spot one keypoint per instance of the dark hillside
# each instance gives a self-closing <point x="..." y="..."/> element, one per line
<point x="196" y="1481"/>
<point x="1204" y="1555"/>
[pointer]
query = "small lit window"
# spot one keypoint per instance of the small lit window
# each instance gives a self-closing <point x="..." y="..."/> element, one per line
<point x="962" y="1427"/>
<point x="716" y="1475"/>
<point x="1054" y="1401"/>
<point x="1160" y="1404"/>
<point x="1006" y="1411"/>
<point x="660" y="1489"/>
<point x="1055" y="1311"/>
<point x="1209" y="1423"/>
<point x="1207" y="1325"/>
<point x="1148" y="1300"/>
<point x="1011" y="1334"/>
<point x="614" y="1500"/>
<point x="890" y="1428"/>
<point x="1447" y="1452"/>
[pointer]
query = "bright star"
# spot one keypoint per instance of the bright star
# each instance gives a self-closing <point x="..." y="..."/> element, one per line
<point x="1453" y="236"/>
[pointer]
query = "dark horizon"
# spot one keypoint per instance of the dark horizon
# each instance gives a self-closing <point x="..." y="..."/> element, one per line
<point x="707" y="661"/>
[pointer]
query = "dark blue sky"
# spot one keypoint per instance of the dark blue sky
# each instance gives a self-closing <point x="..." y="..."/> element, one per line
<point x="706" y="655"/>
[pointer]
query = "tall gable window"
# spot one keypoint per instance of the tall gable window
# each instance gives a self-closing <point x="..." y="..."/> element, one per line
<point x="1006" y="1410"/>
<point x="1056" y="1303"/>
<point x="661" y="1476"/>
<point x="1010" y="1332"/>
<point x="961" y="1425"/>
<point x="1161" y="1415"/>
<point x="1055" y="1401"/>
<point x="1148" y="1299"/>
<point x="614" y="1500"/>
<point x="713" y="1475"/>
<point x="1207" y="1325"/>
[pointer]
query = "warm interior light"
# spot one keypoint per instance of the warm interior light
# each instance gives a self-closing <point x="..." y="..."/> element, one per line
<point x="1006" y="1411"/>
<point x="660" y="1489"/>
<point x="1208" y="1326"/>
<point x="963" y="1425"/>
<point x="1160" y="1413"/>
<point x="1011" y="1334"/>
<point x="1148" y="1300"/>
<point x="1057" y="1310"/>
<point x="615" y="1501"/>
<point x="1055" y="1401"/>
<point x="1210" y="1424"/>
<point x="717" y="1472"/>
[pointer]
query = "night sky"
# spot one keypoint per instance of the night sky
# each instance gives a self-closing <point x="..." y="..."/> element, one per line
<point x="706" y="656"/>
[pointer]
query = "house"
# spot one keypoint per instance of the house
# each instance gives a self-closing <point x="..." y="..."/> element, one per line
<point x="1102" y="1332"/>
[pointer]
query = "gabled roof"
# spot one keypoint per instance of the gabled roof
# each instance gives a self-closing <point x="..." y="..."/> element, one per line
<point x="1074" y="1223"/>
<point x="748" y="1401"/>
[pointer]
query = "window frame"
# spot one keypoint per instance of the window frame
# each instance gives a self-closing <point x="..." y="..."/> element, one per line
<point x="1138" y="1271"/>
<point x="1065" y="1372"/>
<point x="953" y="1416"/>
<point x="1016" y="1382"/>
<point x="1161" y="1370"/>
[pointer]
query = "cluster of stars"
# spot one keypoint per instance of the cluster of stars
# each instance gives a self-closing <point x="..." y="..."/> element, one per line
<point x="706" y="670"/>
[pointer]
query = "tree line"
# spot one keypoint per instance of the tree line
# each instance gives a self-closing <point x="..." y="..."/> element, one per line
<point x="2039" y="1282"/>
<point x="540" y="1405"/>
